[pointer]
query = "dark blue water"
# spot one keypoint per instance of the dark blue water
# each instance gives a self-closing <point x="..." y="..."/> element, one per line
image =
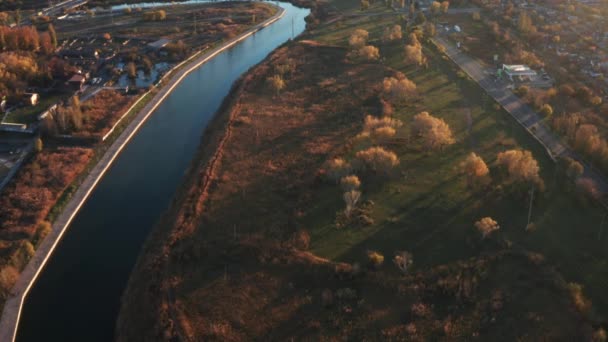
<point x="77" y="296"/>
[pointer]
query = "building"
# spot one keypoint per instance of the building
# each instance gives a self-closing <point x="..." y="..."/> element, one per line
<point x="76" y="82"/>
<point x="518" y="70"/>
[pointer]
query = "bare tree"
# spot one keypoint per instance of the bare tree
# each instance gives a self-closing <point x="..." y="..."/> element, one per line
<point x="403" y="260"/>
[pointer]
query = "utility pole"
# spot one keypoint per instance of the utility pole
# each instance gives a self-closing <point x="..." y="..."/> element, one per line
<point x="530" y="210"/>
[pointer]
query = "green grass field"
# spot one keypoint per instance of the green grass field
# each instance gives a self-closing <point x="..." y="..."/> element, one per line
<point x="426" y="207"/>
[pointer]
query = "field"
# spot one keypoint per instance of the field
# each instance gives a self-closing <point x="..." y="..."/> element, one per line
<point x="255" y="246"/>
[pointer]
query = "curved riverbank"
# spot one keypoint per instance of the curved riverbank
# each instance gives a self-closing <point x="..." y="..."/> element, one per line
<point x="14" y="305"/>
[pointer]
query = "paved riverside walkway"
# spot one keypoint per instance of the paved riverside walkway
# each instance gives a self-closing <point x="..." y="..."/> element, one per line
<point x="12" y="308"/>
<point x="526" y="116"/>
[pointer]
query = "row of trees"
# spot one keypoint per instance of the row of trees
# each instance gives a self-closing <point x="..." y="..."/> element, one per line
<point x="519" y="165"/>
<point x="27" y="38"/>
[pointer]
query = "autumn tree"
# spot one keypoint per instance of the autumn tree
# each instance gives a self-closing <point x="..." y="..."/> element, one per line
<point x="392" y="33"/>
<point x="380" y="130"/>
<point x="378" y="159"/>
<point x="350" y="182"/>
<point x="364" y="4"/>
<point x="524" y="24"/>
<point x="358" y="39"/>
<point x="445" y="5"/>
<point x="413" y="51"/>
<point x="369" y="53"/>
<point x="520" y="166"/>
<point x="435" y="8"/>
<point x="398" y="90"/>
<point x="486" y="226"/>
<point x="434" y="132"/>
<point x="337" y="168"/>
<point x="475" y="169"/>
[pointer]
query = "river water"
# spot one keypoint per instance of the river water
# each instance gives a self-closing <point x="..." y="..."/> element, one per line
<point x="77" y="295"/>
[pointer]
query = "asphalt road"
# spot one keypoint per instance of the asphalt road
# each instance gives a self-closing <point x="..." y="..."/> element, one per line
<point x="524" y="114"/>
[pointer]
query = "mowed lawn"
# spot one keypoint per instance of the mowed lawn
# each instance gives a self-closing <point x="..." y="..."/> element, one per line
<point x="425" y="206"/>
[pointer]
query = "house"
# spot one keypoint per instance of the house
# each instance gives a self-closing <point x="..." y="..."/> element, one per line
<point x="30" y="99"/>
<point x="518" y="70"/>
<point x="76" y="82"/>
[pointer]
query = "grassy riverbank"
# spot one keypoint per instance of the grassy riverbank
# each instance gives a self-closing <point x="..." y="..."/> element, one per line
<point x="254" y="246"/>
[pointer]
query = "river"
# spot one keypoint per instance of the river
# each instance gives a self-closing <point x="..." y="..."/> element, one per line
<point x="77" y="295"/>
